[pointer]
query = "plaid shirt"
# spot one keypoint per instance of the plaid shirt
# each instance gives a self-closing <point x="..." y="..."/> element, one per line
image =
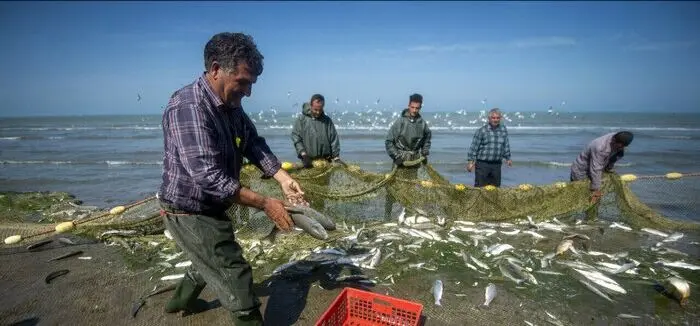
<point x="490" y="144"/>
<point x="205" y="142"/>
<point x="596" y="157"/>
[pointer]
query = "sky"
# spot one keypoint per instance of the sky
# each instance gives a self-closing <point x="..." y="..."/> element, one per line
<point x="85" y="58"/>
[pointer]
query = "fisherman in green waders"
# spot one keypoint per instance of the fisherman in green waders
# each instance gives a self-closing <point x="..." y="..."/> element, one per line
<point x="407" y="142"/>
<point x="314" y="137"/>
<point x="206" y="136"/>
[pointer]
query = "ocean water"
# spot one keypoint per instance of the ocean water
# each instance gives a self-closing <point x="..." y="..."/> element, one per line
<point x="105" y="160"/>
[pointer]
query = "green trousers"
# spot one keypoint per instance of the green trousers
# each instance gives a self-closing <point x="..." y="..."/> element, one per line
<point x="209" y="242"/>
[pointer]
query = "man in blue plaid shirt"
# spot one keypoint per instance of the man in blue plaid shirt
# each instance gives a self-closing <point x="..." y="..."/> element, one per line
<point x="207" y="134"/>
<point x="489" y="148"/>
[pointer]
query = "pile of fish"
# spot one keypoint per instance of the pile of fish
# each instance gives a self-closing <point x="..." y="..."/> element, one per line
<point x="527" y="253"/>
<point x="483" y="248"/>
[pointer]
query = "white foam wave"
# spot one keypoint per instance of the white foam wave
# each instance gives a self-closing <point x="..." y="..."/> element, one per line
<point x="554" y="163"/>
<point x="10" y="138"/>
<point x="132" y="163"/>
<point x="36" y="162"/>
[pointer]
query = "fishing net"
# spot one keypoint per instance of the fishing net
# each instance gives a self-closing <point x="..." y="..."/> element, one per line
<point x="366" y="205"/>
<point x="349" y="194"/>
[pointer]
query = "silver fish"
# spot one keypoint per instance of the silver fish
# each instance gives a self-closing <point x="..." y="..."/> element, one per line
<point x="437" y="292"/>
<point x="655" y="232"/>
<point x="375" y="259"/>
<point x="534" y="234"/>
<point x="673" y="237"/>
<point x="516" y="273"/>
<point x="547" y="272"/>
<point x="479" y="263"/>
<point x="602" y="280"/>
<point x="595" y="290"/>
<point x="311" y="226"/>
<point x="624" y="268"/>
<point x="616" y="225"/>
<point x="514" y="232"/>
<point x="628" y="316"/>
<point x="498" y="249"/>
<point x="679" y="264"/>
<point x="489" y="294"/>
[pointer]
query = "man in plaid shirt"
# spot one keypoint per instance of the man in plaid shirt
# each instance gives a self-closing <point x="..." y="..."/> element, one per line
<point x="489" y="148"/>
<point x="206" y="136"/>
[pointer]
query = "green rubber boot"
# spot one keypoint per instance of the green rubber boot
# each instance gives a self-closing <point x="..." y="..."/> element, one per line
<point x="185" y="297"/>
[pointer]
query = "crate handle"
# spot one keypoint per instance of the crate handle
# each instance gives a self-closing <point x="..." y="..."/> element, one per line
<point x="382" y="306"/>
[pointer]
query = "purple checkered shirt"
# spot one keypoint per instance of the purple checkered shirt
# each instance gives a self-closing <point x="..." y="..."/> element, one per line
<point x="205" y="142"/>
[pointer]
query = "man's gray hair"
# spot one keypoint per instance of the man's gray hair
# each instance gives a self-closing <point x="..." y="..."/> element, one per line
<point x="497" y="111"/>
<point x="231" y="49"/>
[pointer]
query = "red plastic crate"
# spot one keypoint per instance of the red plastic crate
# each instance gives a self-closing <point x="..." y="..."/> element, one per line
<point x="362" y="308"/>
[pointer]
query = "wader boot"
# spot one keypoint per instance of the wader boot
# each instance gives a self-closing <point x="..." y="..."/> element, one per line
<point x="185" y="297"/>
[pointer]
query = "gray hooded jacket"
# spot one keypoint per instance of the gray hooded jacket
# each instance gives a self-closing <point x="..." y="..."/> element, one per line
<point x="315" y="136"/>
<point x="408" y="138"/>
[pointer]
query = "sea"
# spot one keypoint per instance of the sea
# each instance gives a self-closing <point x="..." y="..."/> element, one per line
<point x="108" y="160"/>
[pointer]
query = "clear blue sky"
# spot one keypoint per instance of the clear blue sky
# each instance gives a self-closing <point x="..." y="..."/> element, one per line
<point x="63" y="58"/>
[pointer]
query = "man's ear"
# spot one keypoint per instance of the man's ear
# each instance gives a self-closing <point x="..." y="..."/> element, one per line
<point x="215" y="69"/>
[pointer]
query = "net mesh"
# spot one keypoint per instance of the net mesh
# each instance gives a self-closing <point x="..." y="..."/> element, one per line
<point x="357" y="199"/>
<point x="349" y="194"/>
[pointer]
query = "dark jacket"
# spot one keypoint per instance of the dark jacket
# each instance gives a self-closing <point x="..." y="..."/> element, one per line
<point x="408" y="138"/>
<point x="315" y="136"/>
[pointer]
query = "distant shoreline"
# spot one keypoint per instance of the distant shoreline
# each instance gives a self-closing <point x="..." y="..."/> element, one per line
<point x="666" y="113"/>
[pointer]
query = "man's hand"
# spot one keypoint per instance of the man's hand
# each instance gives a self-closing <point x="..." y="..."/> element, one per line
<point x="290" y="187"/>
<point x="470" y="167"/>
<point x="398" y="161"/>
<point x="509" y="162"/>
<point x="306" y="160"/>
<point x="274" y="209"/>
<point x="336" y="161"/>
<point x="595" y="196"/>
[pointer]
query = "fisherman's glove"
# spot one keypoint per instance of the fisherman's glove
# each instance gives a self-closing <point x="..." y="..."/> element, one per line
<point x="307" y="161"/>
<point x="398" y="161"/>
<point x="274" y="209"/>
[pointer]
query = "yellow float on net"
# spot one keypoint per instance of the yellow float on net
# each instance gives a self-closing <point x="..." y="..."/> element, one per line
<point x="319" y="163"/>
<point x="490" y="187"/>
<point x="64" y="227"/>
<point x="13" y="239"/>
<point x="628" y="177"/>
<point x="251" y="167"/>
<point x="426" y="184"/>
<point x="673" y="175"/>
<point x="287" y="166"/>
<point x="525" y="187"/>
<point x="560" y="184"/>
<point x="117" y="210"/>
<point x="353" y="168"/>
<point x="460" y="187"/>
